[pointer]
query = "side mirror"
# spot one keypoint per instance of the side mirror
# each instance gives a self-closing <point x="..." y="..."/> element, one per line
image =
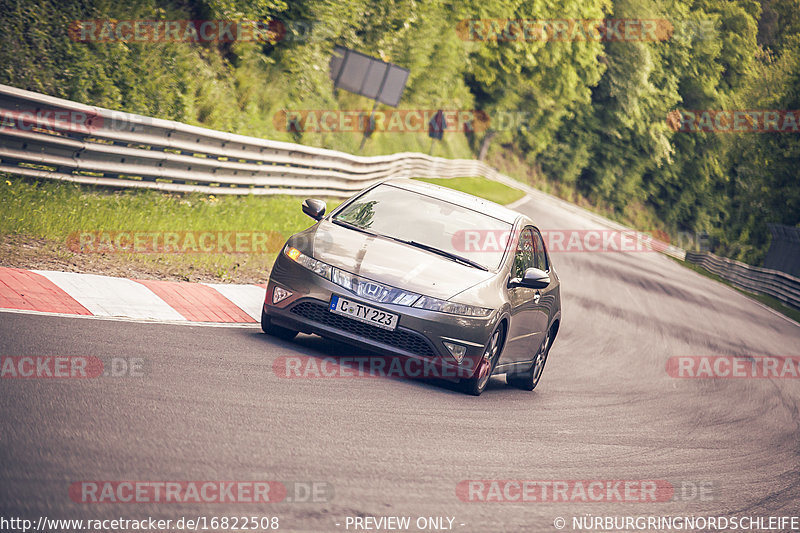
<point x="535" y="279"/>
<point x="314" y="208"/>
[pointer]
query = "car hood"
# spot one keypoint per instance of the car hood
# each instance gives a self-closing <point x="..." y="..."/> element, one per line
<point x="393" y="263"/>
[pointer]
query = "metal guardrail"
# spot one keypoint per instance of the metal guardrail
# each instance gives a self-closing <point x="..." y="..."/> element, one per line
<point x="43" y="136"/>
<point x="780" y="285"/>
<point x="46" y="137"/>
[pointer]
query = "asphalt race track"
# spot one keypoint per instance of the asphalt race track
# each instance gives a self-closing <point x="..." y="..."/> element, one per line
<point x="210" y="407"/>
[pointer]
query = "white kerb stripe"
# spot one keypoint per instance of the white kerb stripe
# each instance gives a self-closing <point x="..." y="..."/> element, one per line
<point x="248" y="298"/>
<point x="107" y="296"/>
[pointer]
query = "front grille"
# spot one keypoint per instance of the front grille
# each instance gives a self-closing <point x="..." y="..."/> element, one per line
<point x="405" y="340"/>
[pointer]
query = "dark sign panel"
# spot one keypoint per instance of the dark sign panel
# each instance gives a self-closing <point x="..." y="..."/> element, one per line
<point x="367" y="76"/>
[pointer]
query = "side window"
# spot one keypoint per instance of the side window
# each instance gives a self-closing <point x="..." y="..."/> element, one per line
<point x="538" y="251"/>
<point x="524" y="257"/>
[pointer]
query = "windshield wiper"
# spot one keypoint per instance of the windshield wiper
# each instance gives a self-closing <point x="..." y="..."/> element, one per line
<point x="449" y="255"/>
<point x="352" y="226"/>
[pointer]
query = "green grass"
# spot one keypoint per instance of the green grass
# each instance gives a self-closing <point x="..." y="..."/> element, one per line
<point x="52" y="211"/>
<point x="769" y="301"/>
<point x="39" y="220"/>
<point x="55" y="209"/>
<point x="490" y="190"/>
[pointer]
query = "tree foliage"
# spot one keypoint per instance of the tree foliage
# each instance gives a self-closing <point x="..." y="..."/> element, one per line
<point x="588" y="115"/>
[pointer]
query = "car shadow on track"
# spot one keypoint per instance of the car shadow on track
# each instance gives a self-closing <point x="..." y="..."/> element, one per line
<point x="344" y="361"/>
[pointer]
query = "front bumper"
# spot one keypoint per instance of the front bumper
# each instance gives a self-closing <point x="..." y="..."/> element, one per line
<point x="420" y="333"/>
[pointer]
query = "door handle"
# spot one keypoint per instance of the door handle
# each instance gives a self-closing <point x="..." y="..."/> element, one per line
<point x="536" y="297"/>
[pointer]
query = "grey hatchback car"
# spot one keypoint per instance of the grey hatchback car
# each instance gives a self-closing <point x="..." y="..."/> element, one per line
<point x="411" y="269"/>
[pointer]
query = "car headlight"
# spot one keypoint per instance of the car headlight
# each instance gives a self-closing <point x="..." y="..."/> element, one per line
<point x="318" y="267"/>
<point x="443" y="306"/>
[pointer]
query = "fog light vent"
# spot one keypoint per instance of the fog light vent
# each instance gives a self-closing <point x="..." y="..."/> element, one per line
<point x="279" y="294"/>
<point x="456" y="350"/>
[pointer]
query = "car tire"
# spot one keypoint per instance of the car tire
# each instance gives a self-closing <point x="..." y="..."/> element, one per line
<point x="483" y="371"/>
<point x="528" y="380"/>
<point x="276" y="331"/>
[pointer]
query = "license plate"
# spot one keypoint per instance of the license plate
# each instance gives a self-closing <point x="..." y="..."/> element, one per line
<point x="363" y="313"/>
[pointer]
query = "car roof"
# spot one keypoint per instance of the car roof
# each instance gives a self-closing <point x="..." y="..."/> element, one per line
<point x="456" y="197"/>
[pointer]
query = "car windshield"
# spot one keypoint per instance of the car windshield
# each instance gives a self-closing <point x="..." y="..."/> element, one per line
<point x="412" y="217"/>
